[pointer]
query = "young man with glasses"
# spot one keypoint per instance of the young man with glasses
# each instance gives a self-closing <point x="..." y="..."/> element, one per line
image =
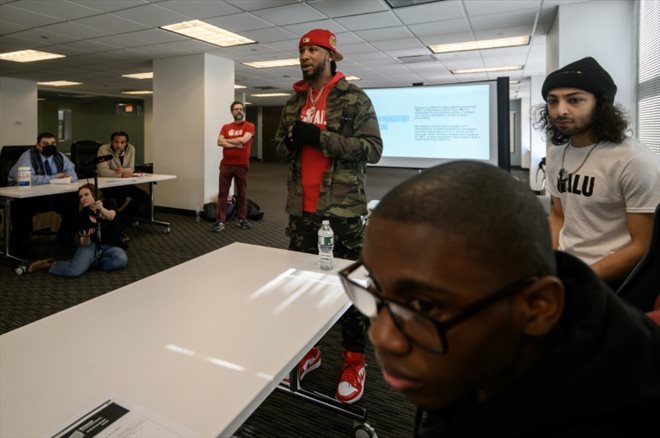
<point x="478" y="323"/>
<point x="604" y="185"/>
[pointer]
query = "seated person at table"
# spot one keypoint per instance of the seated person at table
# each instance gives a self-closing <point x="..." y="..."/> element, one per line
<point x="486" y="330"/>
<point x="47" y="164"/>
<point x="121" y="165"/>
<point x="104" y="251"/>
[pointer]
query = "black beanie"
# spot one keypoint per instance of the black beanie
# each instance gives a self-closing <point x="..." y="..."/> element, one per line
<point x="585" y="74"/>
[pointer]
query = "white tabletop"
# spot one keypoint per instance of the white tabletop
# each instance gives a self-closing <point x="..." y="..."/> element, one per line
<point x="34" y="191"/>
<point x="202" y="343"/>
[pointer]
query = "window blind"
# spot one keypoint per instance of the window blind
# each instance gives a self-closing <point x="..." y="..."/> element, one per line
<point x="647" y="29"/>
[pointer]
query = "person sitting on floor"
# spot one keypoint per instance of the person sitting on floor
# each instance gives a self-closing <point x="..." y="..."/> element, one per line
<point x="489" y="332"/>
<point x="102" y="248"/>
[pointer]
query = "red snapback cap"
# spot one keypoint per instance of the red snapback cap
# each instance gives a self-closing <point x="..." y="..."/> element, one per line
<point x="322" y="38"/>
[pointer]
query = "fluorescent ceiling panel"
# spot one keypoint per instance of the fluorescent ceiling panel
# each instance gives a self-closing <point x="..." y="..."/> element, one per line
<point x="199" y="30"/>
<point x="29" y="56"/>
<point x="480" y="45"/>
<point x="486" y="69"/>
<point x="274" y="63"/>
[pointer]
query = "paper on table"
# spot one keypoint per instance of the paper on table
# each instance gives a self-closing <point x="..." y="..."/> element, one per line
<point x="65" y="180"/>
<point x="116" y="418"/>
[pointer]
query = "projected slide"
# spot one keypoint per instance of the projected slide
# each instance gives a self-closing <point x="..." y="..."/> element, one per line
<point x="445" y="122"/>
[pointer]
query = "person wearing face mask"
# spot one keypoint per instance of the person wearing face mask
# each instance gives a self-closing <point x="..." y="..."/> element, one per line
<point x="47" y="164"/>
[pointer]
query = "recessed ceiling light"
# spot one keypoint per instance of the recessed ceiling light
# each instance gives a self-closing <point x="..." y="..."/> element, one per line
<point x="59" y="83"/>
<point x="480" y="45"/>
<point x="459" y="71"/>
<point x="353" y="78"/>
<point x="274" y="63"/>
<point x="237" y="87"/>
<point x="29" y="56"/>
<point x="514" y="82"/>
<point x="207" y="32"/>
<point x="269" y="94"/>
<point x="146" y="75"/>
<point x="138" y="92"/>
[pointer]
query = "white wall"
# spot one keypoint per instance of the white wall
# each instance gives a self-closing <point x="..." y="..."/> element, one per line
<point x="191" y="100"/>
<point x="604" y="30"/>
<point x="18" y="111"/>
<point x="148" y="130"/>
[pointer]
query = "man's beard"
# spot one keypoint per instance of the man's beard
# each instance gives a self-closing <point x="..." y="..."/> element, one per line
<point x="573" y="129"/>
<point x="316" y="72"/>
<point x="238" y="118"/>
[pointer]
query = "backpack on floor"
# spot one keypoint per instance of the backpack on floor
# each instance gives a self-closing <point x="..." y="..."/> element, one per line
<point x="253" y="210"/>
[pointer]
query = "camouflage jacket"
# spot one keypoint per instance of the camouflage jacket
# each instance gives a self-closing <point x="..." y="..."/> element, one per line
<point x="351" y="141"/>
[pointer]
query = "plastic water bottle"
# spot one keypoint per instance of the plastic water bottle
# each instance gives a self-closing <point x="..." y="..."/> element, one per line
<point x="326" y="245"/>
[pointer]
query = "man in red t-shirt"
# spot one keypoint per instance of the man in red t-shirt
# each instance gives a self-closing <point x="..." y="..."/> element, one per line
<point x="235" y="139"/>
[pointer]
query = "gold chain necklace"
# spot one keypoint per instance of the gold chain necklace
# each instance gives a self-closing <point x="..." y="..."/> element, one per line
<point x="313" y="99"/>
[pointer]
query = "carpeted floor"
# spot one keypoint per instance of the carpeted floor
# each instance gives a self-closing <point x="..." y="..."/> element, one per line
<point x="27" y="298"/>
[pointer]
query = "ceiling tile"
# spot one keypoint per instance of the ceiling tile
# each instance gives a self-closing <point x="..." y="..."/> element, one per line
<point x="41" y="37"/>
<point x="156" y="36"/>
<point x="509" y="19"/>
<point x="290" y="14"/>
<point x="111" y="23"/>
<point x="63" y="10"/>
<point x="370" y="21"/>
<point x="303" y="28"/>
<point x="252" y="5"/>
<point x="200" y="9"/>
<point x="25" y="18"/>
<point x="386" y="33"/>
<point x="109" y="5"/>
<point x="502" y="32"/>
<point x="404" y="43"/>
<point x="425" y="13"/>
<point x="152" y="15"/>
<point x="9" y="27"/>
<point x="269" y="35"/>
<point x="239" y="22"/>
<point x="75" y="30"/>
<point x="437" y="30"/>
<point x="343" y="8"/>
<point x="90" y="46"/>
<point x="485" y="7"/>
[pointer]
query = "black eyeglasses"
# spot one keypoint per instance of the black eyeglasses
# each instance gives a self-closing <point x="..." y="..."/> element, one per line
<point x="417" y="326"/>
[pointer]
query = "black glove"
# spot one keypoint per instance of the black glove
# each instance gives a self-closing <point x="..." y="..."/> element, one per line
<point x="306" y="133"/>
<point x="288" y="141"/>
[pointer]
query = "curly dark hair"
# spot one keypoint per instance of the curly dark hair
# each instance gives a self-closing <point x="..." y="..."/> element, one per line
<point x="609" y="123"/>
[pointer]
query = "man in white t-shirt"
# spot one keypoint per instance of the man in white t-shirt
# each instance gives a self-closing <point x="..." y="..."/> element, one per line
<point x="604" y="185"/>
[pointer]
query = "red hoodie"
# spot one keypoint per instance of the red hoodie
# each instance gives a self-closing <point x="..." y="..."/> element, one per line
<point x="314" y="163"/>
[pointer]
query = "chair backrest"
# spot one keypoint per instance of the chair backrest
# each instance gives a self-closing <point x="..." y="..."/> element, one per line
<point x="642" y="286"/>
<point x="9" y="155"/>
<point x="82" y="153"/>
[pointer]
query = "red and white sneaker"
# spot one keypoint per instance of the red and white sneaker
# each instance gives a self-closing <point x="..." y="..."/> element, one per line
<point x="310" y="362"/>
<point x="351" y="382"/>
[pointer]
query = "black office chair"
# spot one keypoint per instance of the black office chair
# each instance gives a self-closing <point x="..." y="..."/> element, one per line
<point x="82" y="154"/>
<point x="9" y="155"/>
<point x="642" y="286"/>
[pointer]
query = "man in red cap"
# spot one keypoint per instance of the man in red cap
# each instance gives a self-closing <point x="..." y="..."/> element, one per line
<point x="328" y="133"/>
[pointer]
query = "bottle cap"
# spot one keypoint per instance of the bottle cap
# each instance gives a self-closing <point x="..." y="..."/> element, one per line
<point x="325" y="222"/>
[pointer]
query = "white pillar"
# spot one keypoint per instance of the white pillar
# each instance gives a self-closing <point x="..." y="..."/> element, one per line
<point x="192" y="95"/>
<point x="18" y="112"/>
<point x="537" y="139"/>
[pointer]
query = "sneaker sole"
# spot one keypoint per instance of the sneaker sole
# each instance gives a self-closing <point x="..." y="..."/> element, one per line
<point x="311" y="368"/>
<point x="348" y="402"/>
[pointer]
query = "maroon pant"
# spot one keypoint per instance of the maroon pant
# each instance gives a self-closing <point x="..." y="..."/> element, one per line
<point x="239" y="172"/>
